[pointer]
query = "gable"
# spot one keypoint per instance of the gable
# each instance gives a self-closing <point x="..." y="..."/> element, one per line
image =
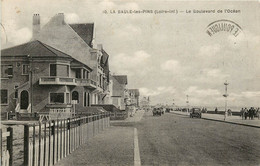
<point x="60" y="35"/>
<point x="85" y="31"/>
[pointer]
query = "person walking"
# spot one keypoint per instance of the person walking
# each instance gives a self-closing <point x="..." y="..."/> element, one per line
<point x="242" y="113"/>
<point x="216" y="110"/>
<point x="246" y="113"/>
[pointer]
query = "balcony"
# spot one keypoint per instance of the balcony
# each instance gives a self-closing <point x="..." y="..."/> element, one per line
<point x="67" y="81"/>
<point x="57" y="81"/>
<point x="86" y="82"/>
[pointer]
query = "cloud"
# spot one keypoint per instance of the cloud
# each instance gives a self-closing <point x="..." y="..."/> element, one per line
<point x="72" y="18"/>
<point x="14" y="33"/>
<point x="210" y="50"/>
<point x="158" y="91"/>
<point x="107" y="4"/>
<point x="202" y="93"/>
<point x="246" y="37"/>
<point x="170" y="65"/>
<point x="128" y="32"/>
<point x="131" y="64"/>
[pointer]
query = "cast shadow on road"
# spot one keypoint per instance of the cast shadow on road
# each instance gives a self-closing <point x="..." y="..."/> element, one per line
<point x="123" y="124"/>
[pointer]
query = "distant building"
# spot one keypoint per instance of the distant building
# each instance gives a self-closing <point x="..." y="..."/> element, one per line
<point x="120" y="94"/>
<point x="145" y="102"/>
<point x="134" y="97"/>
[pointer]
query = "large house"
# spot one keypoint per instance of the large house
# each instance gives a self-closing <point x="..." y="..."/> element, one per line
<point x="77" y="40"/>
<point x="59" y="68"/>
<point x="38" y="77"/>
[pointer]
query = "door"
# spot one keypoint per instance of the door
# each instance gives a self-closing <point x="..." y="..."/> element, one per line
<point x="24" y="99"/>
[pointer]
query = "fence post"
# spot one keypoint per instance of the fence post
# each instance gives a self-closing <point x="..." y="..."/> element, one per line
<point x="49" y="149"/>
<point x="33" y="145"/>
<point x="0" y="146"/>
<point x="10" y="145"/>
<point x="26" y="145"/>
<point x="79" y="131"/>
<point x="68" y="135"/>
<point x="40" y="135"/>
<point x="53" y="146"/>
<point x="57" y="157"/>
<point x="44" y="150"/>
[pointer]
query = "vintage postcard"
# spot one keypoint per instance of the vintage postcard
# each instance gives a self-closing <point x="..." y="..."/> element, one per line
<point x="127" y="82"/>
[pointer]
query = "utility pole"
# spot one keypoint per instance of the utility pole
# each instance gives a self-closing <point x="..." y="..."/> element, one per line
<point x="225" y="95"/>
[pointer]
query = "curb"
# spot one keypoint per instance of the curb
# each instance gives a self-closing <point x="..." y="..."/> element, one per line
<point x="242" y="124"/>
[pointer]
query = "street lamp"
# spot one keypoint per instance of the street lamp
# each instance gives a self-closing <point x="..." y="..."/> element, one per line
<point x="225" y="95"/>
<point x="187" y="102"/>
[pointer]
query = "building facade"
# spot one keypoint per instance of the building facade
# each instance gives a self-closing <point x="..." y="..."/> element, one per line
<point x="59" y="69"/>
<point x="38" y="77"/>
<point x="78" y="41"/>
<point x="120" y="95"/>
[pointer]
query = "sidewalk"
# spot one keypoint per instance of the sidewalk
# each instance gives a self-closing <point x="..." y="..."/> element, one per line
<point x="113" y="146"/>
<point x="230" y="119"/>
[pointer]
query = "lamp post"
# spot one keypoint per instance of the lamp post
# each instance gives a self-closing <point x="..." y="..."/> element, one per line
<point x="187" y="101"/>
<point x="225" y="95"/>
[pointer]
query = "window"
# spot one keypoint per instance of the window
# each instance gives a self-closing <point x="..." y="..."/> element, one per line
<point x="85" y="99"/>
<point x="53" y="70"/>
<point x="25" y="70"/>
<point x="88" y="100"/>
<point x="56" y="97"/>
<point x="16" y="92"/>
<point x="61" y="70"/>
<point x="4" y="96"/>
<point x="6" y="71"/>
<point x="75" y="96"/>
<point x="87" y="76"/>
<point x="78" y="73"/>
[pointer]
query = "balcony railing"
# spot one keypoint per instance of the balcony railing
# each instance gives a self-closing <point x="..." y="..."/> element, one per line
<point x="86" y="82"/>
<point x="57" y="81"/>
<point x="67" y="81"/>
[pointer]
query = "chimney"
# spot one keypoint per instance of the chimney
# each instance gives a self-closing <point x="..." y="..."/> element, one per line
<point x="60" y="19"/>
<point x="36" y="25"/>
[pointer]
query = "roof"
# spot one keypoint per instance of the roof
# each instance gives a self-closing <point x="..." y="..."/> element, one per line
<point x="122" y="79"/>
<point x="107" y="107"/>
<point x="135" y="91"/>
<point x="85" y="31"/>
<point x="33" y="48"/>
<point x="104" y="63"/>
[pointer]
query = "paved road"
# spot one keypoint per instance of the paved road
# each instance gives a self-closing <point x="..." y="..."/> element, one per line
<point x="170" y="140"/>
<point x="178" y="140"/>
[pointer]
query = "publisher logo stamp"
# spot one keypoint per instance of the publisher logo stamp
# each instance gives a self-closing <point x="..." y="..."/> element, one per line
<point x="223" y="26"/>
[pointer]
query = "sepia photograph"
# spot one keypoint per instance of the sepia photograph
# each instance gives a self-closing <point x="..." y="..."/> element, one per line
<point x="130" y="83"/>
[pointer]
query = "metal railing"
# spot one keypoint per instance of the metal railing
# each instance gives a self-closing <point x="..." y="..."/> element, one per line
<point x="57" y="139"/>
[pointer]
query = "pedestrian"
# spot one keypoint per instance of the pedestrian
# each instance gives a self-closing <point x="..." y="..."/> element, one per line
<point x="242" y="113"/>
<point x="216" y="110"/>
<point x="246" y="113"/>
<point x="250" y="113"/>
<point x="257" y="113"/>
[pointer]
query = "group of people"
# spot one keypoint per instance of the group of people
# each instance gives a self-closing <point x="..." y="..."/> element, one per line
<point x="249" y="113"/>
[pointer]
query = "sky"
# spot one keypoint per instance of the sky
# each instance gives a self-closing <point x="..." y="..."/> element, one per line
<point x="167" y="56"/>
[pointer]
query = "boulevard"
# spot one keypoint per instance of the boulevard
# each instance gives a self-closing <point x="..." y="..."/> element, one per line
<point x="171" y="139"/>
